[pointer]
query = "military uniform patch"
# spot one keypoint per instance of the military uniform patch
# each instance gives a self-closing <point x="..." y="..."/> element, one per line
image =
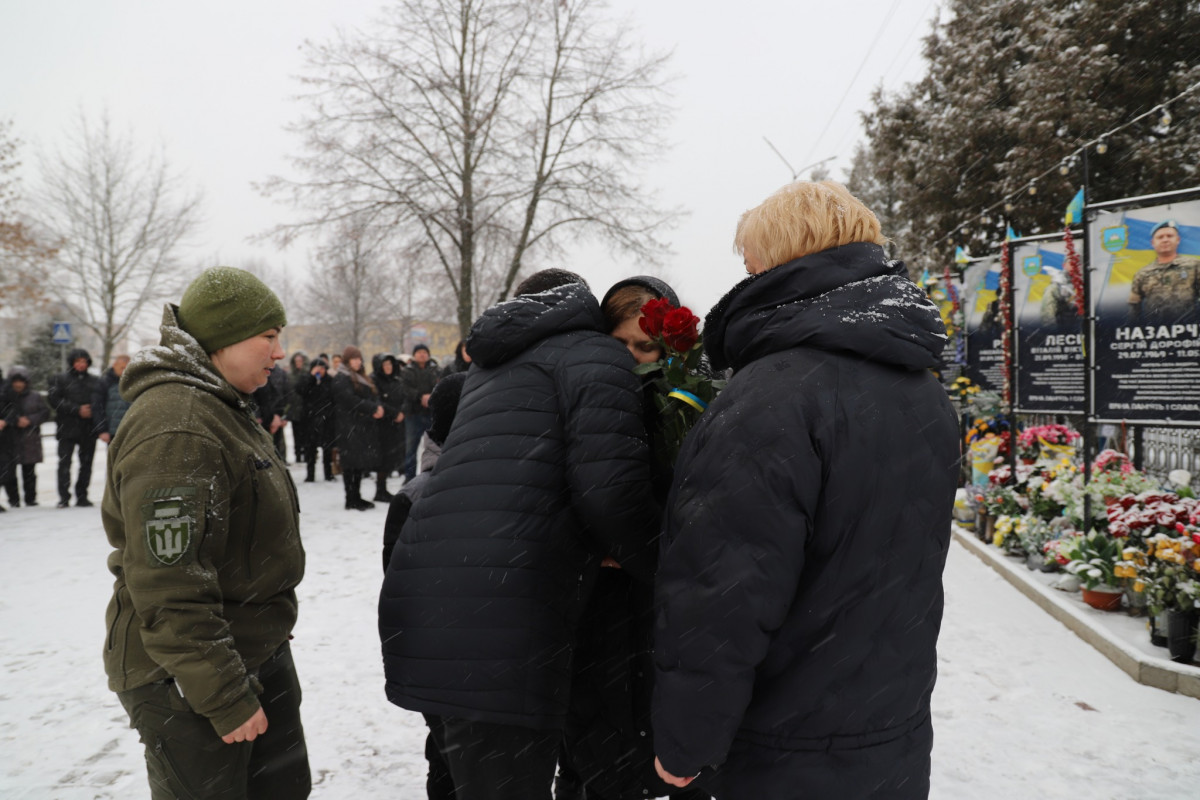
<point x="169" y="531"/>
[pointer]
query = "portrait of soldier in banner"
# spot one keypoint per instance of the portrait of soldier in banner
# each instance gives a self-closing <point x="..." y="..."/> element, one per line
<point x="1167" y="290"/>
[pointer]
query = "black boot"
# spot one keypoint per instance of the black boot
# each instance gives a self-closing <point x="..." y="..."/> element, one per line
<point x="382" y="495"/>
<point x="359" y="503"/>
<point x="312" y="472"/>
<point x="353" y="482"/>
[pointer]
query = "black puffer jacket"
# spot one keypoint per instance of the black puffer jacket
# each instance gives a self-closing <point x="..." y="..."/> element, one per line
<point x="800" y="592"/>
<point x="544" y="473"/>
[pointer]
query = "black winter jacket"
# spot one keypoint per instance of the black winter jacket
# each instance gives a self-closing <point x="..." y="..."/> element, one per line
<point x="391" y="396"/>
<point x="108" y="406"/>
<point x="69" y="391"/>
<point x="544" y="473"/>
<point x="357" y="429"/>
<point x="417" y="382"/>
<point x="26" y="443"/>
<point x="799" y="593"/>
<point x="317" y="401"/>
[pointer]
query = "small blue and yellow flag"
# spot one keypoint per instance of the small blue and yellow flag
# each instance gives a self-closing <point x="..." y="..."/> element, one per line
<point x="1074" y="209"/>
<point x="1009" y="234"/>
<point x="960" y="256"/>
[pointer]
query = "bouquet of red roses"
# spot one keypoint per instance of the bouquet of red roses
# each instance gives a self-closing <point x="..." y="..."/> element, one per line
<point x="682" y="388"/>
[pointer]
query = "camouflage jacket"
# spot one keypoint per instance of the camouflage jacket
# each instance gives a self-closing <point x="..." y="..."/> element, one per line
<point x="1167" y="292"/>
<point x="203" y="519"/>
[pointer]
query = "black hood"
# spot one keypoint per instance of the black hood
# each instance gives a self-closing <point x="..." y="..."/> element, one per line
<point x="377" y="373"/>
<point x="510" y="328"/>
<point x="76" y="353"/>
<point x="847" y="299"/>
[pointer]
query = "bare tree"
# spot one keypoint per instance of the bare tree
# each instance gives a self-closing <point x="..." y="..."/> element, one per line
<point x="355" y="282"/>
<point x="487" y="132"/>
<point x="22" y="256"/>
<point x="117" y="216"/>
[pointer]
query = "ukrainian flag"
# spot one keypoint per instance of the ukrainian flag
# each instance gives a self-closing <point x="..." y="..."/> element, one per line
<point x="1074" y="209"/>
<point x="989" y="290"/>
<point x="1051" y="262"/>
<point x="1139" y="253"/>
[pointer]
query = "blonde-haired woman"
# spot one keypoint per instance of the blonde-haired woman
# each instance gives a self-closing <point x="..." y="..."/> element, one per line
<point x="799" y="590"/>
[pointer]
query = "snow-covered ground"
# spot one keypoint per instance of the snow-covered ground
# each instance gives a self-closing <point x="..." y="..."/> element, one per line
<point x="1023" y="708"/>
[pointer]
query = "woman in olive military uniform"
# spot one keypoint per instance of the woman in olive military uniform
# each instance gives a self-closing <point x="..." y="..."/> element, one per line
<point x="204" y="523"/>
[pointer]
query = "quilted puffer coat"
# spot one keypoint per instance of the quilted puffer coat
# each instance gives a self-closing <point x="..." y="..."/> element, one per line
<point x="800" y="586"/>
<point x="544" y="473"/>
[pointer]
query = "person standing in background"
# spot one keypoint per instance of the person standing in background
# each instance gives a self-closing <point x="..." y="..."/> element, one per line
<point x="77" y="428"/>
<point x="357" y="409"/>
<point x="386" y="375"/>
<point x="8" y="419"/>
<point x="461" y="362"/>
<point x="107" y="404"/>
<point x="293" y="406"/>
<point x="317" y="394"/>
<point x="30" y="412"/>
<point x="419" y="378"/>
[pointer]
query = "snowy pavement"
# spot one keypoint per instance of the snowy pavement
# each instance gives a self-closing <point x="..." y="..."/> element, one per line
<point x="1023" y="708"/>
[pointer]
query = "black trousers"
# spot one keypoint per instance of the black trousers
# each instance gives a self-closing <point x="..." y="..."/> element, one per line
<point x="186" y="759"/>
<point x="498" y="762"/>
<point x="301" y="440"/>
<point x="66" y="448"/>
<point x="326" y="459"/>
<point x="352" y="483"/>
<point x="28" y="474"/>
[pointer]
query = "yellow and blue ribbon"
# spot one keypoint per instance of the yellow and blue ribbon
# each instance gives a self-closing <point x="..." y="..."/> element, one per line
<point x="689" y="398"/>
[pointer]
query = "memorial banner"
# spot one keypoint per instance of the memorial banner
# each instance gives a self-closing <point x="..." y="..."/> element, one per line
<point x="1051" y="362"/>
<point x="1145" y="287"/>
<point x="982" y="324"/>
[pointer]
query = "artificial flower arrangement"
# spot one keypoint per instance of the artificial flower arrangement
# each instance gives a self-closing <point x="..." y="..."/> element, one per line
<point x="1169" y="570"/>
<point x="1047" y="441"/>
<point x="1093" y="559"/>
<point x="1114" y="476"/>
<point x="962" y="389"/>
<point x="1008" y="532"/>
<point x="1138" y="517"/>
<point x="682" y="389"/>
<point x="1035" y="535"/>
<point x="995" y="426"/>
<point x="998" y="500"/>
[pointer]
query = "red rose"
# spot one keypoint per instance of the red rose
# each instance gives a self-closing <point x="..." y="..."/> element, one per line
<point x="653" y="314"/>
<point x="679" y="329"/>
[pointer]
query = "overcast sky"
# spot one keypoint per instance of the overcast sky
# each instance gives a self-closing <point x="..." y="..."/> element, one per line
<point x="213" y="83"/>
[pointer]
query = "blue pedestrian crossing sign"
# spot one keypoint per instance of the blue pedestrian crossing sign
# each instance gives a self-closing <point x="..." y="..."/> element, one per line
<point x="62" y="333"/>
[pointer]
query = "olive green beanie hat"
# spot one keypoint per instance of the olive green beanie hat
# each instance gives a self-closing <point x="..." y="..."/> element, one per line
<point x="226" y="305"/>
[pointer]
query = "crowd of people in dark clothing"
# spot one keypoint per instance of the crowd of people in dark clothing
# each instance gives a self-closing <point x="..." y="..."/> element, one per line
<point x="85" y="408"/>
<point x="355" y="423"/>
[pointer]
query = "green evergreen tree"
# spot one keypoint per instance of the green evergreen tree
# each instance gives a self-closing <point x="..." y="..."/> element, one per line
<point x="40" y="356"/>
<point x="1013" y="89"/>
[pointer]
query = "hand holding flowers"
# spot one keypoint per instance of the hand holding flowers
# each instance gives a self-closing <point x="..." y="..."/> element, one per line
<point x="682" y="387"/>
